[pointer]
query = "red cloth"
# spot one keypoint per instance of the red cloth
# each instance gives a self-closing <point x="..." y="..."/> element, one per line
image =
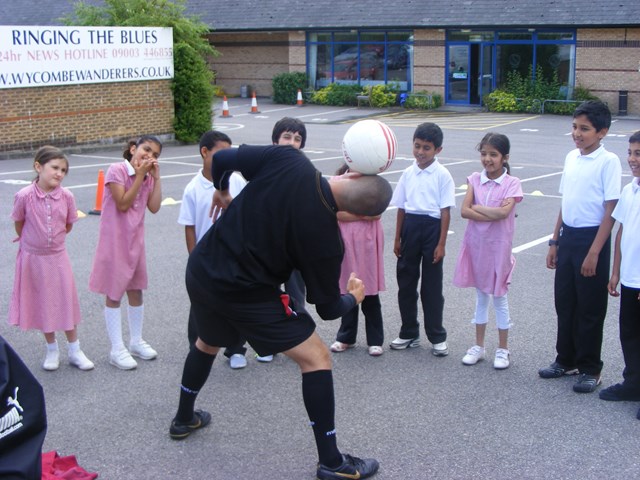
<point x="55" y="467"/>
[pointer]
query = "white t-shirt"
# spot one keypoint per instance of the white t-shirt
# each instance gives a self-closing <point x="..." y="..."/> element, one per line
<point x="587" y="182"/>
<point x="196" y="201"/>
<point x="627" y="212"/>
<point x="425" y="191"/>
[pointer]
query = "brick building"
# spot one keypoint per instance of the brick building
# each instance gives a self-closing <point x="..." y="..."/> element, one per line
<point x="460" y="50"/>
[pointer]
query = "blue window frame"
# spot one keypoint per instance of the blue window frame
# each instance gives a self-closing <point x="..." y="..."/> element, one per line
<point x="478" y="62"/>
<point x="363" y="57"/>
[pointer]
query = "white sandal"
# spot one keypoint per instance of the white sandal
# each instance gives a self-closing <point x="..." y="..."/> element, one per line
<point x="375" y="351"/>
<point x="341" y="347"/>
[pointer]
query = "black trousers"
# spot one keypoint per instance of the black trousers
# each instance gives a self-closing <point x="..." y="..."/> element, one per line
<point x="630" y="336"/>
<point x="192" y="335"/>
<point x="581" y="302"/>
<point x="373" y="322"/>
<point x="419" y="238"/>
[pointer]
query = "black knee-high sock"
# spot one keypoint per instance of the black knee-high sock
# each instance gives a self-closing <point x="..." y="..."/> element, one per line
<point x="317" y="393"/>
<point x="196" y="371"/>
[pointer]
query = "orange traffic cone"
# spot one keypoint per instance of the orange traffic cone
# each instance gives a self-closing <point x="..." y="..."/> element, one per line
<point x="299" y="97"/>
<point x="225" y="107"/>
<point x="97" y="209"/>
<point x="254" y="104"/>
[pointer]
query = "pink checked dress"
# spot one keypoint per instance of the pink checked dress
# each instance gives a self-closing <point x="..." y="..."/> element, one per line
<point x="120" y="262"/>
<point x="44" y="290"/>
<point x="363" y="254"/>
<point x="485" y="261"/>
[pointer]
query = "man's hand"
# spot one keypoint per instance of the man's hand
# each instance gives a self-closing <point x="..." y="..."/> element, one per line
<point x="221" y="200"/>
<point x="355" y="287"/>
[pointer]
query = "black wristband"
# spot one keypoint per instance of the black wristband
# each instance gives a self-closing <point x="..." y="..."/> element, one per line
<point x="553" y="243"/>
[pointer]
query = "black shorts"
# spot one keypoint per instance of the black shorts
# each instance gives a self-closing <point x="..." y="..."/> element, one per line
<point x="267" y="325"/>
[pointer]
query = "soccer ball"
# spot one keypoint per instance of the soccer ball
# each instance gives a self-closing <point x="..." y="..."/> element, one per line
<point x="369" y="147"/>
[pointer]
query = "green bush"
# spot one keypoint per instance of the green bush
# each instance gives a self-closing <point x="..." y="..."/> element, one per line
<point x="501" y="101"/>
<point x="286" y="85"/>
<point x="529" y="95"/>
<point x="337" y="94"/>
<point x="422" y="102"/>
<point x="192" y="94"/>
<point x="382" y="96"/>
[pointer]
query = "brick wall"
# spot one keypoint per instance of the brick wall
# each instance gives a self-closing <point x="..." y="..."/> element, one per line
<point x="253" y="60"/>
<point x="428" y="61"/>
<point x="84" y="114"/>
<point x="608" y="61"/>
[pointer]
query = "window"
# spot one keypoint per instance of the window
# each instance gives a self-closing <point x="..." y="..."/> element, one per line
<point x="364" y="58"/>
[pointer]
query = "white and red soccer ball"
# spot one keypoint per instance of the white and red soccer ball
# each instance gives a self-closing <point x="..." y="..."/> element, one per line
<point x="369" y="147"/>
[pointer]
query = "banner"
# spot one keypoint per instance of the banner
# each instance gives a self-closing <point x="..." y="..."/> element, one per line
<point x="39" y="56"/>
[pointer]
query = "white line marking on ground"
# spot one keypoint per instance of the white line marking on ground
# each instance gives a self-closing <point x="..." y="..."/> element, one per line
<point x="531" y="244"/>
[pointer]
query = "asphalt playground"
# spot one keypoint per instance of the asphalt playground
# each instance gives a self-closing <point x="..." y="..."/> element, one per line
<point x="421" y="416"/>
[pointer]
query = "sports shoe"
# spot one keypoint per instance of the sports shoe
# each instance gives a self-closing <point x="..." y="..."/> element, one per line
<point x="122" y="359"/>
<point x="265" y="359"/>
<point x="402" y="343"/>
<point x="619" y="393"/>
<point x="341" y="347"/>
<point x="352" y="467"/>
<point x="180" y="431"/>
<point x="375" y="350"/>
<point x="586" y="383"/>
<point x="80" y="360"/>
<point x="52" y="360"/>
<point x="142" y="350"/>
<point x="474" y="355"/>
<point x="557" y="370"/>
<point x="237" y="361"/>
<point x="440" y="349"/>
<point x="501" y="361"/>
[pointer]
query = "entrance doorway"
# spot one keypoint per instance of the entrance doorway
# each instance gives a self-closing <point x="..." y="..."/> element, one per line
<point x="470" y="72"/>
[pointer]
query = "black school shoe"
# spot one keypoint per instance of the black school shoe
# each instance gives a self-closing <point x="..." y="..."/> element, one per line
<point x="352" y="467"/>
<point x="556" y="370"/>
<point x="180" y="431"/>
<point x="587" y="383"/>
<point x="619" y="393"/>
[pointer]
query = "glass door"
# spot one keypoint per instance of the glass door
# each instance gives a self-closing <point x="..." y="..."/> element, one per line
<point x="458" y="74"/>
<point x="485" y="83"/>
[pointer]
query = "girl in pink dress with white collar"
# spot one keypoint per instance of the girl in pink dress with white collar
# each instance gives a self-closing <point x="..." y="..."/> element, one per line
<point x="120" y="264"/>
<point x="485" y="261"/>
<point x="44" y="291"/>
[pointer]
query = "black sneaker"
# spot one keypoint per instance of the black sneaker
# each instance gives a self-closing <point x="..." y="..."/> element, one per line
<point x="556" y="370"/>
<point x="180" y="431"/>
<point x="619" y="393"/>
<point x="638" y="414"/>
<point x="352" y="467"/>
<point x="586" y="383"/>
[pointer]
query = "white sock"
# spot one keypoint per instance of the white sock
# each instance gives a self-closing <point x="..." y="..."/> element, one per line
<point x="52" y="347"/>
<point x="136" y="315"/>
<point x="114" y="328"/>
<point x="74" y="347"/>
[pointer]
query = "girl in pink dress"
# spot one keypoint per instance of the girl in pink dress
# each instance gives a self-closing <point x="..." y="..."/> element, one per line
<point x="485" y="261"/>
<point x="44" y="291"/>
<point x="120" y="264"/>
<point x="363" y="240"/>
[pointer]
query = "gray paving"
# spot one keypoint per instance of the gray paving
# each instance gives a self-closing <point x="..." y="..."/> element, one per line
<point x="421" y="416"/>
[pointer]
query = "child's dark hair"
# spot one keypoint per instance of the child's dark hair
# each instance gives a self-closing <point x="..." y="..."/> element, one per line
<point x="635" y="138"/>
<point x="429" y="132"/>
<point x="210" y="138"/>
<point x="47" y="153"/>
<point x="597" y="112"/>
<point x="136" y="142"/>
<point x="344" y="168"/>
<point x="500" y="142"/>
<point x="289" y="124"/>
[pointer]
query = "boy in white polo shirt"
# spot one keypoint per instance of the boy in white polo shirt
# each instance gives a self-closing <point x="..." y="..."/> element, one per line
<point x="424" y="196"/>
<point x="626" y="270"/>
<point x="580" y="248"/>
<point x="194" y="215"/>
